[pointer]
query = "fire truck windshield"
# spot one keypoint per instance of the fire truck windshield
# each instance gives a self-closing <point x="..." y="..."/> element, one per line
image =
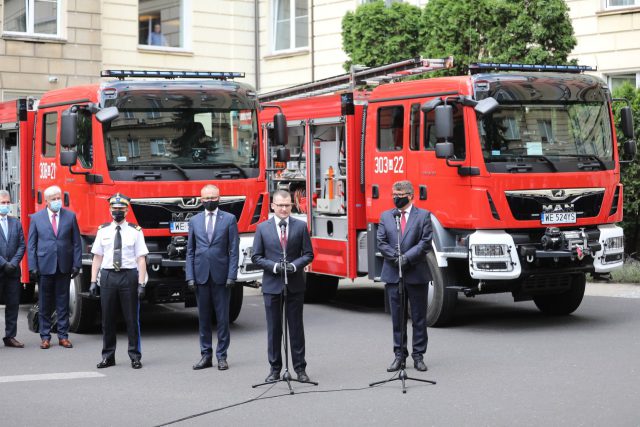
<point x="555" y="137"/>
<point x="183" y="143"/>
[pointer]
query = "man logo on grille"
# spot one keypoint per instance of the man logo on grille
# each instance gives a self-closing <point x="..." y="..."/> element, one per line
<point x="190" y="203"/>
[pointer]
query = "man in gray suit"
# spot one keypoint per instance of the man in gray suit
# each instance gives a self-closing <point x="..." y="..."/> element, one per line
<point x="283" y="231"/>
<point x="415" y="242"/>
<point x="55" y="257"/>
<point x="11" y="252"/>
<point x="211" y="272"/>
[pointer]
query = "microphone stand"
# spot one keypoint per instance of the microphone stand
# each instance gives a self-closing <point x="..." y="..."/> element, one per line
<point x="286" y="376"/>
<point x="402" y="374"/>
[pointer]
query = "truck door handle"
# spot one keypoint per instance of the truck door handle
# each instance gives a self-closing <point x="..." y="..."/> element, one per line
<point x="375" y="193"/>
<point x="423" y="192"/>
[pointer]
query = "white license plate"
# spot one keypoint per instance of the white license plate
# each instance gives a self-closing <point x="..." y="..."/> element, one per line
<point x="179" y="227"/>
<point x="558" y="218"/>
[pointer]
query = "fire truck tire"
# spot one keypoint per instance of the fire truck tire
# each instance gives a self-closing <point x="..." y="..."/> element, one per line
<point x="82" y="311"/>
<point x="235" y="302"/>
<point x="442" y="301"/>
<point x="320" y="288"/>
<point x="564" y="303"/>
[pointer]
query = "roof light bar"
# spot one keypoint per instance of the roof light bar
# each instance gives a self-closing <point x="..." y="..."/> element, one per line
<point x="494" y="66"/>
<point x="219" y="75"/>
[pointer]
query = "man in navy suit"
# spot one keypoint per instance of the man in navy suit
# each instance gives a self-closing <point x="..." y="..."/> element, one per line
<point x="415" y="242"/>
<point x="11" y="253"/>
<point x="283" y="231"/>
<point x="55" y="257"/>
<point x="211" y="272"/>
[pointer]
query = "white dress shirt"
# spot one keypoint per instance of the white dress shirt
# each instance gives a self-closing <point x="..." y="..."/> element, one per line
<point x="133" y="245"/>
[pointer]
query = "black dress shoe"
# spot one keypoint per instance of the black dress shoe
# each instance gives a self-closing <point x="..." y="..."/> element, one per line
<point x="223" y="365"/>
<point x="395" y="365"/>
<point x="419" y="365"/>
<point x="273" y="376"/>
<point x="12" y="342"/>
<point x="302" y="376"/>
<point x="205" y="362"/>
<point x="105" y="363"/>
<point x="136" y="364"/>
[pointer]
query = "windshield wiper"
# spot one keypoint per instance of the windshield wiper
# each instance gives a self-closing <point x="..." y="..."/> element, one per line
<point x="550" y="162"/>
<point x="161" y="164"/>
<point x="599" y="163"/>
<point x="237" y="169"/>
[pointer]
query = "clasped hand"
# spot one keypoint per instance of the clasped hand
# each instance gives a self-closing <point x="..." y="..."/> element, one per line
<point x="288" y="267"/>
<point x="404" y="261"/>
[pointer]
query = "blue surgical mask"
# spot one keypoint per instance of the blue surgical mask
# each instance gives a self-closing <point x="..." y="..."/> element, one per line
<point x="55" y="205"/>
<point x="4" y="209"/>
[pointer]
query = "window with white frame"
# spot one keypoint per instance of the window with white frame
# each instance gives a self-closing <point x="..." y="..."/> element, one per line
<point x="158" y="147"/>
<point x="134" y="148"/>
<point x="617" y="80"/>
<point x="163" y="23"/>
<point x="38" y="18"/>
<point x="613" y="4"/>
<point x="290" y="24"/>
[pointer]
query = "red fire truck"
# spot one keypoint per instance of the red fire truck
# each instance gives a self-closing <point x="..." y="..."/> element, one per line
<point x="158" y="140"/>
<point x="518" y="164"/>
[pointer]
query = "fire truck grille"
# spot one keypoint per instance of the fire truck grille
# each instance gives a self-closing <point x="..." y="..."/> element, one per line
<point x="159" y="213"/>
<point x="547" y="283"/>
<point x="526" y="207"/>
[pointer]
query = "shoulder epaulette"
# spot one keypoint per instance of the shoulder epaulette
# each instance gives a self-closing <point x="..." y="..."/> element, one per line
<point x="136" y="226"/>
<point x="106" y="224"/>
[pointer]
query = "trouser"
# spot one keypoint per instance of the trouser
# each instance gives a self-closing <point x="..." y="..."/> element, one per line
<point x="273" y="308"/>
<point x="53" y="291"/>
<point x="213" y="297"/>
<point x="416" y="295"/>
<point x="10" y="288"/>
<point x="120" y="286"/>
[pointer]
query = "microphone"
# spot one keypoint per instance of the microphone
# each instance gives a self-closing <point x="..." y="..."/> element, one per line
<point x="396" y="213"/>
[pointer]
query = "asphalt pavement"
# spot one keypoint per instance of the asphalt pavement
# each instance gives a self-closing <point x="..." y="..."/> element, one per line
<point x="500" y="364"/>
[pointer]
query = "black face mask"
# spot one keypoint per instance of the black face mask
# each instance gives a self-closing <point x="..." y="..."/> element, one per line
<point x="118" y="216"/>
<point x="211" y="205"/>
<point x="401" y="202"/>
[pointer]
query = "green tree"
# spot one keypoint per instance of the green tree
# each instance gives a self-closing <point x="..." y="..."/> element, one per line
<point x="630" y="173"/>
<point x="375" y="35"/>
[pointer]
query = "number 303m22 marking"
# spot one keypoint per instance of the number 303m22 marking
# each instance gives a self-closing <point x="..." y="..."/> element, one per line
<point x="388" y="164"/>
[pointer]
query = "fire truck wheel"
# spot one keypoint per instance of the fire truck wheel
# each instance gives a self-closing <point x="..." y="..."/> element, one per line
<point x="235" y="303"/>
<point x="82" y="311"/>
<point x="320" y="288"/>
<point x="564" y="303"/>
<point x="442" y="301"/>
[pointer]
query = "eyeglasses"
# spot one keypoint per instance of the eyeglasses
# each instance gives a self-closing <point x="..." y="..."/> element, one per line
<point x="283" y="205"/>
<point x="401" y="194"/>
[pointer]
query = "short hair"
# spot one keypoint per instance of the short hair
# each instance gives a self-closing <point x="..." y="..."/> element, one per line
<point x="284" y="194"/>
<point x="5" y="193"/>
<point x="404" y="186"/>
<point x="51" y="191"/>
<point x="210" y="187"/>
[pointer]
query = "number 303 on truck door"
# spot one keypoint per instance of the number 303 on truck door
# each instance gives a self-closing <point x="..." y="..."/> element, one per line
<point x="388" y="164"/>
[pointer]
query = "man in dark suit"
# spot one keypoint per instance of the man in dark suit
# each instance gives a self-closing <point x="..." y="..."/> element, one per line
<point x="55" y="257"/>
<point x="11" y="253"/>
<point x="211" y="272"/>
<point x="415" y="242"/>
<point x="283" y="231"/>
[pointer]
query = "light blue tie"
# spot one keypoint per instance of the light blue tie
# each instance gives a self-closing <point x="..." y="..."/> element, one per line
<point x="5" y="229"/>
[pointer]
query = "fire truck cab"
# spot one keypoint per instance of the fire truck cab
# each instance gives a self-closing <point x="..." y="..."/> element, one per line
<point x="518" y="165"/>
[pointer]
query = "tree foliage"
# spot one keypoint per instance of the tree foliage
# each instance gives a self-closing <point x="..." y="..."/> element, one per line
<point x="375" y="35"/>
<point x="630" y="173"/>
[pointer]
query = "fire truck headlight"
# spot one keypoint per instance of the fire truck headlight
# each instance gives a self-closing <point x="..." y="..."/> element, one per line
<point x="614" y="244"/>
<point x="489" y="250"/>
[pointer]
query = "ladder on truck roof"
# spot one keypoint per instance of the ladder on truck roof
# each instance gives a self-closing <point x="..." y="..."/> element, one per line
<point x="370" y="76"/>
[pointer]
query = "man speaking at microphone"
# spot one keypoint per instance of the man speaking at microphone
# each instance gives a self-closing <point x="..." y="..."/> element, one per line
<point x="282" y="232"/>
<point x="415" y="241"/>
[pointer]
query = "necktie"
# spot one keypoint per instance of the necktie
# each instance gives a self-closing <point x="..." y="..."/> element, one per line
<point x="54" y="224"/>
<point x="5" y="229"/>
<point x="210" y="227"/>
<point x="403" y="221"/>
<point x="117" y="250"/>
<point x="283" y="234"/>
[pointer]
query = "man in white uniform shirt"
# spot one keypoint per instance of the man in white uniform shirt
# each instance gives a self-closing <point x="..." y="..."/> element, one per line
<point x="119" y="255"/>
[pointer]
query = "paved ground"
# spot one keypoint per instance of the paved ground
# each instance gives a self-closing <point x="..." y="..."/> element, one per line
<point x="500" y="363"/>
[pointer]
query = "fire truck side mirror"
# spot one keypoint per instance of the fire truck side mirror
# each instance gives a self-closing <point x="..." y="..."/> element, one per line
<point x="107" y="114"/>
<point x="429" y="106"/>
<point x="68" y="128"/>
<point x="626" y="122"/>
<point x="630" y="149"/>
<point x="444" y="122"/>
<point x="283" y="154"/>
<point x="68" y="158"/>
<point x="444" y="150"/>
<point x="280" y="127"/>
<point x="487" y="106"/>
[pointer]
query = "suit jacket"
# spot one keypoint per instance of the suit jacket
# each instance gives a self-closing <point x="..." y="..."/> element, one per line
<point x="414" y="244"/>
<point x="48" y="251"/>
<point x="218" y="259"/>
<point x="267" y="251"/>
<point x="11" y="250"/>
